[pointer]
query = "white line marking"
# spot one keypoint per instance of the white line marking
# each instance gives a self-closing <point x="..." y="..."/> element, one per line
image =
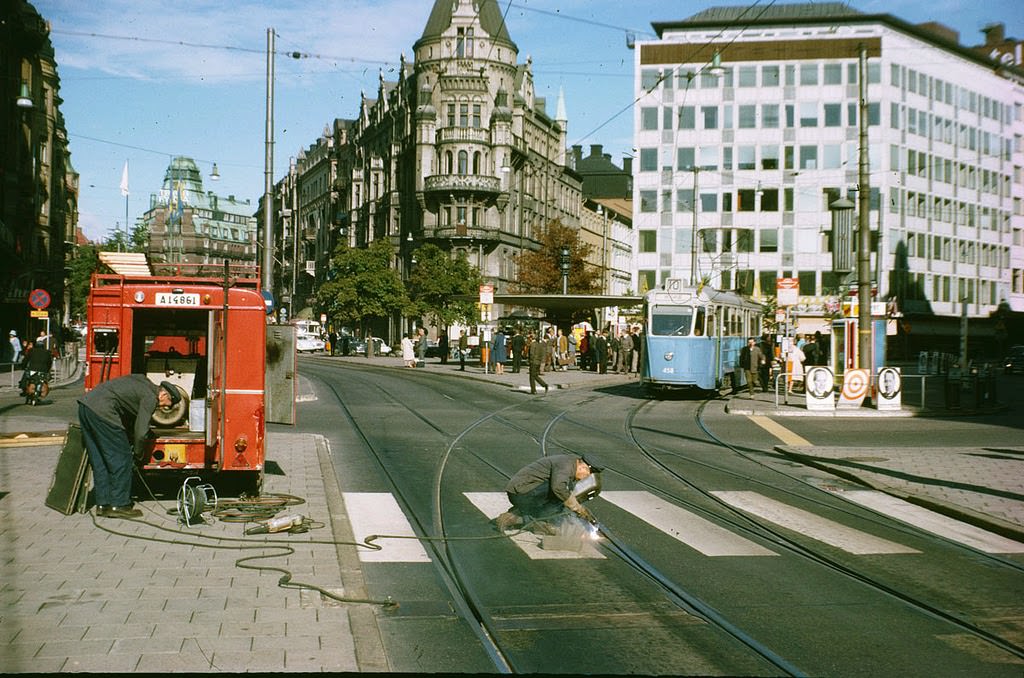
<point x="689" y="528"/>
<point x="379" y="513"/>
<point x="933" y="522"/>
<point x="493" y="504"/>
<point x="779" y="431"/>
<point x="811" y="525"/>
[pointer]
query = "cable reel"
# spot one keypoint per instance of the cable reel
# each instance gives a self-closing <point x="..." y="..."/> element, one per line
<point x="194" y="500"/>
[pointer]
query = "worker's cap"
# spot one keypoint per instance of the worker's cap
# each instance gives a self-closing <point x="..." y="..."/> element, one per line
<point x="595" y="464"/>
<point x="172" y="391"/>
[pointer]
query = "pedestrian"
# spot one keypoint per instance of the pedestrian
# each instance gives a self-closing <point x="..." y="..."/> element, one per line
<point x="421" y="345"/>
<point x="552" y="348"/>
<point x="442" y="346"/>
<point x="518" y="347"/>
<point x="115" y="420"/>
<point x="764" y="371"/>
<point x="796" y="369"/>
<point x="346" y="344"/>
<point x="37" y="359"/>
<point x="625" y="352"/>
<point x="15" y="347"/>
<point x="639" y="347"/>
<point x="333" y="338"/>
<point x="547" y="489"/>
<point x="572" y="348"/>
<point x="463" y="347"/>
<point x="823" y="348"/>
<point x="585" y="350"/>
<point x="500" y="352"/>
<point x="614" y="346"/>
<point x="751" y="359"/>
<point x="811" y="353"/>
<point x="408" y="355"/>
<point x="537" y="352"/>
<point x="601" y="351"/>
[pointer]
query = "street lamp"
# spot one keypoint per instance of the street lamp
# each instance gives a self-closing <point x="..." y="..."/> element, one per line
<point x="24" y="99"/>
<point x="563" y="261"/>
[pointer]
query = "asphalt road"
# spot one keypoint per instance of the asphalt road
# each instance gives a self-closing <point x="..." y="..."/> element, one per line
<point x="729" y="559"/>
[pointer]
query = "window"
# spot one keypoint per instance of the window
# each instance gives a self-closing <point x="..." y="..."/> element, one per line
<point x="769" y="240"/>
<point x="769" y="76"/>
<point x="684" y="158"/>
<point x="708" y="202"/>
<point x="806" y="283"/>
<point x="648" y="159"/>
<point x="648" y="201"/>
<point x="463" y="115"/>
<point x="809" y="114"/>
<point x="745" y="200"/>
<point x="476" y="162"/>
<point x="649" y="79"/>
<point x="463" y="162"/>
<point x="747" y="158"/>
<point x="710" y="115"/>
<point x="684" y="200"/>
<point x="727" y="158"/>
<point x="476" y="113"/>
<point x="747" y="76"/>
<point x="808" y="74"/>
<point x="747" y="117"/>
<point x="769" y="157"/>
<point x="790" y="116"/>
<point x="833" y="74"/>
<point x="788" y="158"/>
<point x="648" y="118"/>
<point x="648" y="241"/>
<point x="709" y="158"/>
<point x="808" y="157"/>
<point x="770" y="116"/>
<point x="687" y="117"/>
<point x="666" y="117"/>
<point x="770" y="200"/>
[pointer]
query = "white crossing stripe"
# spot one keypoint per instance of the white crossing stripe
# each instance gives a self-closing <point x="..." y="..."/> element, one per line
<point x="493" y="504"/>
<point x="379" y="513"/>
<point x="696" y="532"/>
<point x="933" y="522"/>
<point x="811" y="525"/>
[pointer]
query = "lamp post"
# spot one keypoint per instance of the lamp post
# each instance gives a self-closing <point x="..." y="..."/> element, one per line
<point x="693" y="253"/>
<point x="563" y="261"/>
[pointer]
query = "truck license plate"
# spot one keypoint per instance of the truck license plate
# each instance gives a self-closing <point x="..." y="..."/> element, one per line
<point x="171" y="299"/>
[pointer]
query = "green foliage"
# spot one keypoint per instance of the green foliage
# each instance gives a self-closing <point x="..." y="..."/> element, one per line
<point x="362" y="285"/>
<point x="539" y="270"/>
<point x="85" y="262"/>
<point x="433" y="282"/>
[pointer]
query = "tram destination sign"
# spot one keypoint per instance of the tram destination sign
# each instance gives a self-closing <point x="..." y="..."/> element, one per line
<point x="173" y="299"/>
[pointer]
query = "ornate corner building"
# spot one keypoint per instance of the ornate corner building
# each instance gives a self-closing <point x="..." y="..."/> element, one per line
<point x="458" y="152"/>
<point x="38" y="185"/>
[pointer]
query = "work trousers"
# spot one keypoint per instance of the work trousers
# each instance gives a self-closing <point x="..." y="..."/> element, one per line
<point x="537" y="504"/>
<point x="110" y="455"/>
<point x="535" y="378"/>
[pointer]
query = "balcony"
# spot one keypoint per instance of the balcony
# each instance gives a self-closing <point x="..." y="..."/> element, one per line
<point x="480" y="135"/>
<point x="462" y="183"/>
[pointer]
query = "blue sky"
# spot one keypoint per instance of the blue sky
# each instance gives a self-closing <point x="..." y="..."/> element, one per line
<point x="144" y="80"/>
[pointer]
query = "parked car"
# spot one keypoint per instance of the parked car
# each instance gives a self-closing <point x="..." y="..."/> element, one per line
<point x="380" y="347"/>
<point x="1014" y="360"/>
<point x="308" y="343"/>
<point x="433" y="350"/>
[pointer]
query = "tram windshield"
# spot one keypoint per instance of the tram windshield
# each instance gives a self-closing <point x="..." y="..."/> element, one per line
<point x="671" y="321"/>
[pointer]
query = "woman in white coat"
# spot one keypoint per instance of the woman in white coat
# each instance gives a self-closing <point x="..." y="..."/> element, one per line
<point x="796" y="368"/>
<point x="408" y="352"/>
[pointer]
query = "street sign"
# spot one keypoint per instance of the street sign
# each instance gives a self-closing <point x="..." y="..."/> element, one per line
<point x="35" y="313"/>
<point x="39" y="298"/>
<point x="487" y="294"/>
<point x="787" y="291"/>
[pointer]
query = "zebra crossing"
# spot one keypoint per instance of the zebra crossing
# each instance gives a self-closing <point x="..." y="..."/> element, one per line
<point x="378" y="513"/>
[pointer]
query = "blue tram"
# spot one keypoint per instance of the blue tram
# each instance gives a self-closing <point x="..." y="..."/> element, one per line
<point x="693" y="337"/>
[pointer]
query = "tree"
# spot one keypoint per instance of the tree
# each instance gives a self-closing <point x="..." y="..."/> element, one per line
<point x="362" y="285"/>
<point x="435" y="280"/>
<point x="539" y="270"/>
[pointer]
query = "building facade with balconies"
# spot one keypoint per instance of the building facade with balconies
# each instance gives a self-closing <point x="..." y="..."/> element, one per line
<point x="742" y="159"/>
<point x="38" y="185"/>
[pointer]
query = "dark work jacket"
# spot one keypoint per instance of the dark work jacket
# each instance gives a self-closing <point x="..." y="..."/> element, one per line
<point x="557" y="471"/>
<point x="128" y="402"/>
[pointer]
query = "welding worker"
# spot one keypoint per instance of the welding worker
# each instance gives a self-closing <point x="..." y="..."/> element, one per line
<point x="547" y="487"/>
<point x="115" y="420"/>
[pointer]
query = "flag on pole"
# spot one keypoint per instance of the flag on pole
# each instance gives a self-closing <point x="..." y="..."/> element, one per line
<point x="124" y="180"/>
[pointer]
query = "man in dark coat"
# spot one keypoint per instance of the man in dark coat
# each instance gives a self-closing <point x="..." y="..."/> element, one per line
<point x="545" y="488"/>
<point x="115" y="424"/>
<point x="538" y="352"/>
<point x="518" y="344"/>
<point x="751" y="359"/>
<point x="601" y="352"/>
<point x="442" y="346"/>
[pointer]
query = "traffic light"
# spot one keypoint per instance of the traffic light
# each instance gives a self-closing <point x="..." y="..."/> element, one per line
<point x="563" y="260"/>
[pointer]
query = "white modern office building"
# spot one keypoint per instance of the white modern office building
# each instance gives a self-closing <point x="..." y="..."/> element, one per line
<point x="746" y="129"/>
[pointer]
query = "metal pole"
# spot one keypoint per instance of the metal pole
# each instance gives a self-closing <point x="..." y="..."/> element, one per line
<point x="267" y="272"/>
<point x="693" y="237"/>
<point x="864" y="229"/>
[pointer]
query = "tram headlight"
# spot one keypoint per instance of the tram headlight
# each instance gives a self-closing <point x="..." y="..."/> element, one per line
<point x="669" y="355"/>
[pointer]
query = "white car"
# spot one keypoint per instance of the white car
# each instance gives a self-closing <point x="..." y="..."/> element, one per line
<point x="308" y="342"/>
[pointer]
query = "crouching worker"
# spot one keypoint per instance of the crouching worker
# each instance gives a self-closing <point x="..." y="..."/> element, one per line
<point x="543" y="490"/>
<point x="115" y="424"/>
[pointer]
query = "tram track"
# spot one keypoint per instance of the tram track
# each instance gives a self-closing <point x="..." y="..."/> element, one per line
<point x="475" y="612"/>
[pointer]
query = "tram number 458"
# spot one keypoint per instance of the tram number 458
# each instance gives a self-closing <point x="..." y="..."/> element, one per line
<point x="171" y="299"/>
